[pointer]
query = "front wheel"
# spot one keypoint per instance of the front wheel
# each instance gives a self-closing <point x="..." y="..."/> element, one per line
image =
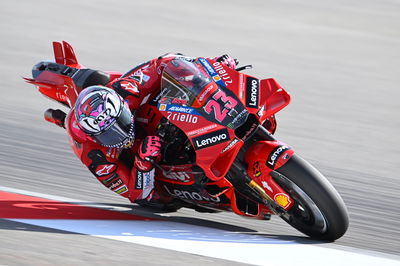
<point x="318" y="211"/>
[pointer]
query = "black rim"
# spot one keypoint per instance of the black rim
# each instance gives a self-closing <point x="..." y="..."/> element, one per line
<point x="305" y="213"/>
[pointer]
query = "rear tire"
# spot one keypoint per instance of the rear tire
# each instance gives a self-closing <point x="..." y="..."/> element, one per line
<point x="319" y="211"/>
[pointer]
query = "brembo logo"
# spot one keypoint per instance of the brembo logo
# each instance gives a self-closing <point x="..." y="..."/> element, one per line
<point x="274" y="155"/>
<point x="211" y="139"/>
<point x="252" y="91"/>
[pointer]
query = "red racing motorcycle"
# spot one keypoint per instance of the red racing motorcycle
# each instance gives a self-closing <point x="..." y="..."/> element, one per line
<point x="219" y="151"/>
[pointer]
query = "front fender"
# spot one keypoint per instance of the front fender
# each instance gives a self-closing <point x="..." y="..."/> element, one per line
<point x="262" y="158"/>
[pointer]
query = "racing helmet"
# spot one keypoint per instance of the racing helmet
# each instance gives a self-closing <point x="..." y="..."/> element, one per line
<point x="104" y="115"/>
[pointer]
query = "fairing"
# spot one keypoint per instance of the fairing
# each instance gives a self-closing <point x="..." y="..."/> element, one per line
<point x="210" y="102"/>
<point x="217" y="133"/>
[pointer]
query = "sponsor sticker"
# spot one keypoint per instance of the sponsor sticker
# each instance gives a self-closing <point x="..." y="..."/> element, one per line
<point x="140" y="77"/>
<point x="161" y="67"/>
<point x="222" y="72"/>
<point x="177" y="108"/>
<point x="211" y="139"/>
<point x="128" y="86"/>
<point x="179" y="101"/>
<point x="207" y="66"/>
<point x="115" y="184"/>
<point x="250" y="131"/>
<point x="257" y="169"/>
<point x="275" y="154"/>
<point x="105" y="169"/>
<point x="282" y="199"/>
<point x="148" y="178"/>
<point x="188" y="118"/>
<point x="191" y="195"/>
<point x="265" y="185"/>
<point x="178" y="176"/>
<point x="201" y="130"/>
<point x="260" y="112"/>
<point x="141" y="165"/>
<point x="230" y="145"/>
<point x="185" y="58"/>
<point x="110" y="179"/>
<point x="252" y="92"/>
<point x="216" y="78"/>
<point x="139" y="180"/>
<point x="162" y="94"/>
<point x="206" y="92"/>
<point x="121" y="190"/>
<point x="239" y="118"/>
<point x="211" y="71"/>
<point x="145" y="181"/>
<point x="148" y="183"/>
<point x="241" y="84"/>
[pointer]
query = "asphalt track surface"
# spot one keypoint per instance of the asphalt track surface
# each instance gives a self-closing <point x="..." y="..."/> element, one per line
<point x="339" y="60"/>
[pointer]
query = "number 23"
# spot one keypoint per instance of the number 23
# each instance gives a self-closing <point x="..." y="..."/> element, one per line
<point x="213" y="105"/>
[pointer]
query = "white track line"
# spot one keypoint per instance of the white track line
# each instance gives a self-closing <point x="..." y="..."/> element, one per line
<point x="210" y="242"/>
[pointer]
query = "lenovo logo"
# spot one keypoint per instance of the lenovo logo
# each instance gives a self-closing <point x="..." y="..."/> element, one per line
<point x="275" y="154"/>
<point x="139" y="180"/>
<point x="191" y="195"/>
<point x="252" y="91"/>
<point x="211" y="139"/>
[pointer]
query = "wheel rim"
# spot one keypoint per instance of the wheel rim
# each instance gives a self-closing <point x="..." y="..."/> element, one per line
<point x="304" y="213"/>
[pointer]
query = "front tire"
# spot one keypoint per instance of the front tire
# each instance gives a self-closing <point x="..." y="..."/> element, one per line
<point x="319" y="211"/>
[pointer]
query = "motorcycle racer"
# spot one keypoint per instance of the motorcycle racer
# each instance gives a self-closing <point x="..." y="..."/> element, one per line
<point x="102" y="128"/>
<point x="218" y="150"/>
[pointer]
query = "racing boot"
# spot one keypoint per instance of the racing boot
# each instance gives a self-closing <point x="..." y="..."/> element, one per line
<point x="55" y="116"/>
<point x="154" y="201"/>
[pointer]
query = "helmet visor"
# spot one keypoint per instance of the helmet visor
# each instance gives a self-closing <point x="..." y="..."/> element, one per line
<point x="120" y="133"/>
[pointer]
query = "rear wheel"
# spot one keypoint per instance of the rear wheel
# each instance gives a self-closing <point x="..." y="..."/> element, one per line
<point x="318" y="211"/>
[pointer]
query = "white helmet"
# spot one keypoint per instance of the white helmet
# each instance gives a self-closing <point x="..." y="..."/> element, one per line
<point x="105" y="116"/>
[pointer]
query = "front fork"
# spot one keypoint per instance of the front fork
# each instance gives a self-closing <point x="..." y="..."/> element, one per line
<point x="263" y="157"/>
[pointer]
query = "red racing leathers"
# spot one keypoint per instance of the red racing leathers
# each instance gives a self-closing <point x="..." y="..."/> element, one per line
<point x="122" y="170"/>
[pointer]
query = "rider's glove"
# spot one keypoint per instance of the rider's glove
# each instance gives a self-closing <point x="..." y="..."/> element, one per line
<point x="149" y="151"/>
<point x="227" y="61"/>
<point x="150" y="148"/>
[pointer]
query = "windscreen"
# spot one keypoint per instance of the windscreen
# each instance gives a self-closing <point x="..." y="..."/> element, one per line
<point x="182" y="81"/>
